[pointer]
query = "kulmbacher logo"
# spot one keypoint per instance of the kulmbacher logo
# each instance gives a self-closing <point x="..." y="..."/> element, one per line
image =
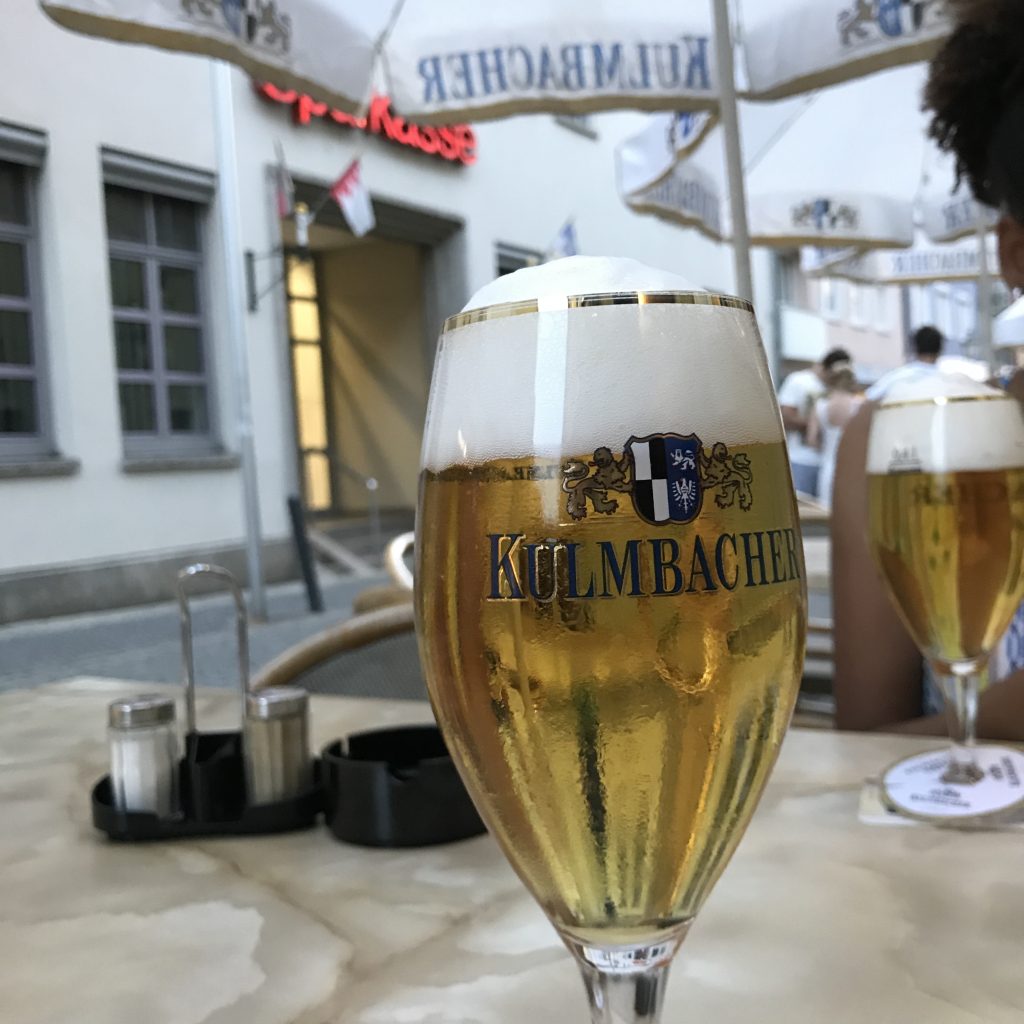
<point x="666" y="475"/>
<point x="825" y="215"/>
<point x="550" y="569"/>
<point x="867" y="21"/>
<point x="256" y="22"/>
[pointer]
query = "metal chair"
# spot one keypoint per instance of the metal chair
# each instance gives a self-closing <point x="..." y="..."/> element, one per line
<point x="394" y="560"/>
<point x="399" y="591"/>
<point x="371" y="655"/>
<point x="815" y="706"/>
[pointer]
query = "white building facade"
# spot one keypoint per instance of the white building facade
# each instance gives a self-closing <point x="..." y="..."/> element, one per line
<point x="118" y="438"/>
<point x="819" y="314"/>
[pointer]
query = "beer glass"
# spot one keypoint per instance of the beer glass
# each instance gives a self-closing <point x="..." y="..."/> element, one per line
<point x="946" y="528"/>
<point x="610" y="601"/>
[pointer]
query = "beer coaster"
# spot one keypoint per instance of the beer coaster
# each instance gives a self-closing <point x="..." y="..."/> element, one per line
<point x="872" y="810"/>
<point x="913" y="790"/>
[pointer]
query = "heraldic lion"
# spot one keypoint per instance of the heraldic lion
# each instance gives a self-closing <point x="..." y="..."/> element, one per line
<point x="732" y="476"/>
<point x="610" y="474"/>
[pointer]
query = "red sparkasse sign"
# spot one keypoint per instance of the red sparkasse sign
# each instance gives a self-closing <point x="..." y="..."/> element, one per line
<point x="453" y="142"/>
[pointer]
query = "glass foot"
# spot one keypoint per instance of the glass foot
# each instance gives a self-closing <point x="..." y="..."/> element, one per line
<point x="626" y="983"/>
<point x="962" y="773"/>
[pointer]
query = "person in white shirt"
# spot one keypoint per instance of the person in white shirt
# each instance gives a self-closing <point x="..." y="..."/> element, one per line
<point x="797" y="396"/>
<point x="927" y="343"/>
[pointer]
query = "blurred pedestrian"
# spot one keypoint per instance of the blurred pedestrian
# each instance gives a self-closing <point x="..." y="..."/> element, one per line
<point x="927" y="345"/>
<point x="799" y="391"/>
<point x="828" y="421"/>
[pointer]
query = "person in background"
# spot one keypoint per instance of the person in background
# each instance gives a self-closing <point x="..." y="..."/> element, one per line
<point x="828" y="421"/>
<point x="799" y="391"/>
<point x="927" y="344"/>
<point x="976" y="94"/>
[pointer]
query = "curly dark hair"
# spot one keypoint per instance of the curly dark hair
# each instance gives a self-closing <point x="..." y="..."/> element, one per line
<point x="975" y="79"/>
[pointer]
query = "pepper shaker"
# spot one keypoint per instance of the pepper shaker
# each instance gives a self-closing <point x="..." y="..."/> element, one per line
<point x="276" y="745"/>
<point x="144" y="755"/>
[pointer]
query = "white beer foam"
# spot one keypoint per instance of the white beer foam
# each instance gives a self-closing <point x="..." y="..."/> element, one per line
<point x="577" y="275"/>
<point x="564" y="382"/>
<point x="945" y="423"/>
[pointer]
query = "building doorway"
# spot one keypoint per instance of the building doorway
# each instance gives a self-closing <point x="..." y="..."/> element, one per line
<point x="363" y="318"/>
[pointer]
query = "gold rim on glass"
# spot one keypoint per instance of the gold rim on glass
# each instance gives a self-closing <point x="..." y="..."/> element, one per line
<point x="942" y="400"/>
<point x="506" y="309"/>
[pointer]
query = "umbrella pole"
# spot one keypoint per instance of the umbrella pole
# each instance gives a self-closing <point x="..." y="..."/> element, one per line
<point x="985" y="348"/>
<point x="733" y="150"/>
<point x="234" y="301"/>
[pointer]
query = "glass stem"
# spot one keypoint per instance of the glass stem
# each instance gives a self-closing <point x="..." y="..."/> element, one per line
<point x="626" y="984"/>
<point x="962" y="690"/>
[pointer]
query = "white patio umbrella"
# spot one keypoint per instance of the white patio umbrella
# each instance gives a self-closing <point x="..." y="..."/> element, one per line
<point x="465" y="60"/>
<point x="852" y="170"/>
<point x="849" y="167"/>
<point x="462" y="58"/>
<point x="659" y="172"/>
<point x="857" y="170"/>
<point x="923" y="263"/>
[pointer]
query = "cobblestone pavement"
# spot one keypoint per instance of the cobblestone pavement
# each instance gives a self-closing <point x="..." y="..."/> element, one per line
<point x="144" y="644"/>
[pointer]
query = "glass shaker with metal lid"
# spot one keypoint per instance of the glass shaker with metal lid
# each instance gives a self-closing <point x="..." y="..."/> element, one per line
<point x="143" y="741"/>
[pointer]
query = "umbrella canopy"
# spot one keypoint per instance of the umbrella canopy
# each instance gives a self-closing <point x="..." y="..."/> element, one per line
<point x="464" y="59"/>
<point x="850" y="167"/>
<point x="792" y="46"/>
<point x="655" y="178"/>
<point x="923" y="263"/>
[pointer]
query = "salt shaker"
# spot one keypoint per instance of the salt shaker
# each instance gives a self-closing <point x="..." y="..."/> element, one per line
<point x="144" y="755"/>
<point x="276" y="745"/>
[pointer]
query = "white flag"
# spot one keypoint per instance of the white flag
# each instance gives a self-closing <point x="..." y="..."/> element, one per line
<point x="352" y="196"/>
<point x="564" y="243"/>
<point x="284" y="186"/>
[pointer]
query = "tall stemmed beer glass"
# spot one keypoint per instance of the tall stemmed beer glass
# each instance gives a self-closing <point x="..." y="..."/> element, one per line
<point x="946" y="526"/>
<point x="610" y="597"/>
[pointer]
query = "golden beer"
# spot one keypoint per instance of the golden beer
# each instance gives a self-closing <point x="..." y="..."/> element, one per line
<point x="945" y="467"/>
<point x="614" y="691"/>
<point x="609" y="596"/>
<point x="950" y="547"/>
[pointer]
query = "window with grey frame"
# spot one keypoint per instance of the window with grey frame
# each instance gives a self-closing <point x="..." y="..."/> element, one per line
<point x="510" y="258"/>
<point x="156" y="283"/>
<point x="23" y="407"/>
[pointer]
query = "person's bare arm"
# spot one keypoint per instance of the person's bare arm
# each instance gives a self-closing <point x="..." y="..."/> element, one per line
<point x="877" y="667"/>
<point x="791" y="418"/>
<point x="814" y="429"/>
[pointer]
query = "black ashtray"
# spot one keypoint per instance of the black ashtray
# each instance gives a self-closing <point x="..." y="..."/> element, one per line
<point x="396" y="787"/>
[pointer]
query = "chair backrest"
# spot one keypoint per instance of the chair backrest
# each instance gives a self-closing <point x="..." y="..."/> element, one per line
<point x="369" y="655"/>
<point x="394" y="559"/>
<point x="816" y="705"/>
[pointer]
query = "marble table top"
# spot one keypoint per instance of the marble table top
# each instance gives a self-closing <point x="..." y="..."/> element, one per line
<point x="818" y="918"/>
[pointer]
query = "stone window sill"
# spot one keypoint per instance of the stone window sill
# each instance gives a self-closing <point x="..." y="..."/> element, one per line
<point x="47" y="465"/>
<point x="180" y="464"/>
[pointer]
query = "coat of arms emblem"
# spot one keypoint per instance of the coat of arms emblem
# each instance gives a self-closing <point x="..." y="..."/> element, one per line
<point x="256" y="22"/>
<point x="825" y="215"/>
<point x="666" y="475"/>
<point x="864" y="19"/>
